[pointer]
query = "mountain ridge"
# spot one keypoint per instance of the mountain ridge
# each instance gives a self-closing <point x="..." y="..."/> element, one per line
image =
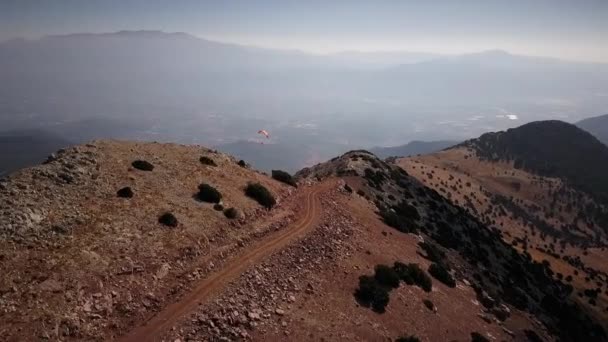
<point x="597" y="125"/>
<point x="535" y="184"/>
<point x="101" y="256"/>
<point x="550" y="148"/>
<point x="424" y="56"/>
<point x="407" y="205"/>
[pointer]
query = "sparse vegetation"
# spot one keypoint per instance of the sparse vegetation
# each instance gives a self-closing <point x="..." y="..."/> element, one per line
<point x="541" y="147"/>
<point x="433" y="252"/>
<point x="207" y="193"/>
<point x="371" y="294"/>
<point x="532" y="336"/>
<point x="348" y="188"/>
<point x="262" y="195"/>
<point x="477" y="337"/>
<point x="401" y="223"/>
<point x="231" y="213"/>
<point x="168" y="219"/>
<point x="361" y="193"/>
<point x="429" y="305"/>
<point x="284" y="177"/>
<point x="406" y="210"/>
<point x="376" y="178"/>
<point x="142" y="165"/>
<point x="125" y="192"/>
<point x="374" y="290"/>
<point x="242" y="163"/>
<point x="499" y="271"/>
<point x="386" y="276"/>
<point x="218" y="207"/>
<point x="440" y="273"/>
<point x="407" y="338"/>
<point x="412" y="274"/>
<point x="207" y="161"/>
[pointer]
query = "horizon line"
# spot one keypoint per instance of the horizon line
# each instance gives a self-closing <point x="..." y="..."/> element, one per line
<point x="299" y="50"/>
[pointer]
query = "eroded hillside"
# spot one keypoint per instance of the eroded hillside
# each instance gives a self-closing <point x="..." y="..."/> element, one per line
<point x="540" y="211"/>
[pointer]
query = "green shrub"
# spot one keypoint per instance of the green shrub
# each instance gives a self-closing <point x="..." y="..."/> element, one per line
<point x="412" y="274"/>
<point x="377" y="178"/>
<point x="142" y="165"/>
<point x="207" y="161"/>
<point x="262" y="195"/>
<point x="440" y="273"/>
<point x="231" y="213"/>
<point x="420" y="278"/>
<point x="408" y="338"/>
<point x="207" y="193"/>
<point x="125" y="192"/>
<point x="406" y="210"/>
<point x="532" y="336"/>
<point x="393" y="220"/>
<point x="386" y="276"/>
<point x="433" y="252"/>
<point x="371" y="294"/>
<point x="168" y="219"/>
<point x="429" y="305"/>
<point x="284" y="177"/>
<point x="402" y="224"/>
<point x="477" y="337"/>
<point x="403" y="272"/>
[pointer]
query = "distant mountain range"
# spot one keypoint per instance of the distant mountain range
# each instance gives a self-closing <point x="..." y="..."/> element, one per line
<point x="152" y="85"/>
<point x="152" y="73"/>
<point x="598" y="126"/>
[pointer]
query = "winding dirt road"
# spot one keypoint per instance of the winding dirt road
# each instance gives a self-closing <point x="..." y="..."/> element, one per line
<point x="215" y="282"/>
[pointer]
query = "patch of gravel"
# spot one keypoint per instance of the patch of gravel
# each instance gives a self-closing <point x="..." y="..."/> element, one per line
<point x="30" y="196"/>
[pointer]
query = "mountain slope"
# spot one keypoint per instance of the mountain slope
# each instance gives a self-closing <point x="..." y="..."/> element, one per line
<point x="412" y="148"/>
<point x="94" y="262"/>
<point x="477" y="253"/>
<point x="550" y="148"/>
<point x="598" y="126"/>
<point x="517" y="183"/>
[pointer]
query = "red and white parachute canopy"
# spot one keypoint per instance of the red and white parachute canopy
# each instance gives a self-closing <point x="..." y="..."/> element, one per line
<point x="264" y="133"/>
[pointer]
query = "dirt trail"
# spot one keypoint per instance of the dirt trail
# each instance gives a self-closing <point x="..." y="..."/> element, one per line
<point x="165" y="319"/>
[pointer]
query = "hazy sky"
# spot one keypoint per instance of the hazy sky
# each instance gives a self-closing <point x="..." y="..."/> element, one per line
<point x="575" y="29"/>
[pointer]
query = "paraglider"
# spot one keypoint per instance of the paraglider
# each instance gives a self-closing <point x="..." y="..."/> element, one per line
<point x="264" y="133"/>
